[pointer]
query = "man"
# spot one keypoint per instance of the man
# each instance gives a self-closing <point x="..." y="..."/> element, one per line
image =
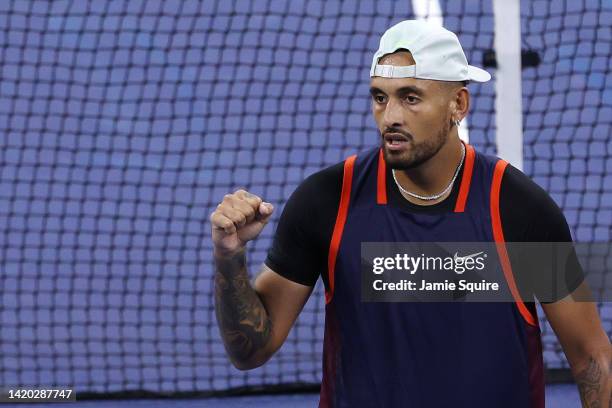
<point x="421" y="184"/>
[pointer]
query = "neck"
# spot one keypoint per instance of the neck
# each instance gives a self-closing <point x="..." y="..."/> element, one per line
<point x="432" y="176"/>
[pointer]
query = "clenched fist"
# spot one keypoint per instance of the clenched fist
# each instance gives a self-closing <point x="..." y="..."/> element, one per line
<point x="238" y="219"/>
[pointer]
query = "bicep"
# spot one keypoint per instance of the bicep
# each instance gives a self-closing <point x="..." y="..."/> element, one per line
<point x="283" y="300"/>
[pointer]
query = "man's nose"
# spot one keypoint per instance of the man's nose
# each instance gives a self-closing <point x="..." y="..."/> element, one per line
<point x="393" y="116"/>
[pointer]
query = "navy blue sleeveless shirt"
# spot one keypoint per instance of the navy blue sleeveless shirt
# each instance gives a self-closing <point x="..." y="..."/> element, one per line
<point x="430" y="355"/>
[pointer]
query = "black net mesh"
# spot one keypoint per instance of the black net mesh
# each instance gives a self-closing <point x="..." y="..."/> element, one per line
<point x="123" y="124"/>
<point x="567" y="106"/>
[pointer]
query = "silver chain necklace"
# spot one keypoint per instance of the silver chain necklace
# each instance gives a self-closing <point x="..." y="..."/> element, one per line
<point x="435" y="196"/>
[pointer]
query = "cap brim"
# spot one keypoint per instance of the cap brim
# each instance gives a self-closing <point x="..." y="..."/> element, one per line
<point x="478" y="74"/>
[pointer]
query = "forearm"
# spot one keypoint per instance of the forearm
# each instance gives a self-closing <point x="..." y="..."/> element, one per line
<point x="593" y="379"/>
<point x="242" y="318"/>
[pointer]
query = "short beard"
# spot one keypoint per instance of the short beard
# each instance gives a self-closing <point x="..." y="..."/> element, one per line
<point x="418" y="153"/>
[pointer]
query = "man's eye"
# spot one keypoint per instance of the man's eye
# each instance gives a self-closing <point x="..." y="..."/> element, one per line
<point x="380" y="98"/>
<point x="412" y="99"/>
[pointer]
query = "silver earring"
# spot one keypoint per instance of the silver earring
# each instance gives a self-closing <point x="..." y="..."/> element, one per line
<point x="457" y="123"/>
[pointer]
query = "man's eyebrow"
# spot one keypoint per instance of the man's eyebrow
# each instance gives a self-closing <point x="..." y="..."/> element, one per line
<point x="410" y="89"/>
<point x="402" y="90"/>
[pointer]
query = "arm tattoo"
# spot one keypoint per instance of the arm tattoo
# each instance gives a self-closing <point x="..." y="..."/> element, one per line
<point x="243" y="321"/>
<point x="589" y="382"/>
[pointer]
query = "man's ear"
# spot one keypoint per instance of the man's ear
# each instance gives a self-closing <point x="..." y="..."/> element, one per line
<point x="461" y="103"/>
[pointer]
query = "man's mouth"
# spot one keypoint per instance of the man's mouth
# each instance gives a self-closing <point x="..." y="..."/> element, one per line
<point x="395" y="141"/>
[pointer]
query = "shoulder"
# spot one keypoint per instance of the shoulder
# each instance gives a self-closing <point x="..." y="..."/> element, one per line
<point x="517" y="187"/>
<point x="319" y="189"/>
<point x="325" y="185"/>
<point x="528" y="212"/>
<point x="324" y="179"/>
<point x="522" y="190"/>
<point x="316" y="198"/>
<point x="516" y="179"/>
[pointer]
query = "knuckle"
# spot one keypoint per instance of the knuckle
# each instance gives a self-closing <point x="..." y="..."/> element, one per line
<point x="235" y="216"/>
<point x="254" y="196"/>
<point x="250" y="208"/>
<point x="242" y="205"/>
<point x="253" y="199"/>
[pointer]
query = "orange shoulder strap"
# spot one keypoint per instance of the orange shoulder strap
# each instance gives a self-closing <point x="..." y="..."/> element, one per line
<point x="334" y="246"/>
<point x="500" y="243"/>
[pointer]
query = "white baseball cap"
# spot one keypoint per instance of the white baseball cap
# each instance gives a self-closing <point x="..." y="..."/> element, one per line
<point x="436" y="51"/>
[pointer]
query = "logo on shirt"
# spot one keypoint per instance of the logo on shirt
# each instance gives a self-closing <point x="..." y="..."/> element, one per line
<point x="466" y="261"/>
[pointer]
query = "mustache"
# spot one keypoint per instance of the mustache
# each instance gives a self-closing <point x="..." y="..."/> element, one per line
<point x="398" y="131"/>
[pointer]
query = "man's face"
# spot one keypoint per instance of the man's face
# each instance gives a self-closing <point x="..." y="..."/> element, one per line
<point x="413" y="115"/>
